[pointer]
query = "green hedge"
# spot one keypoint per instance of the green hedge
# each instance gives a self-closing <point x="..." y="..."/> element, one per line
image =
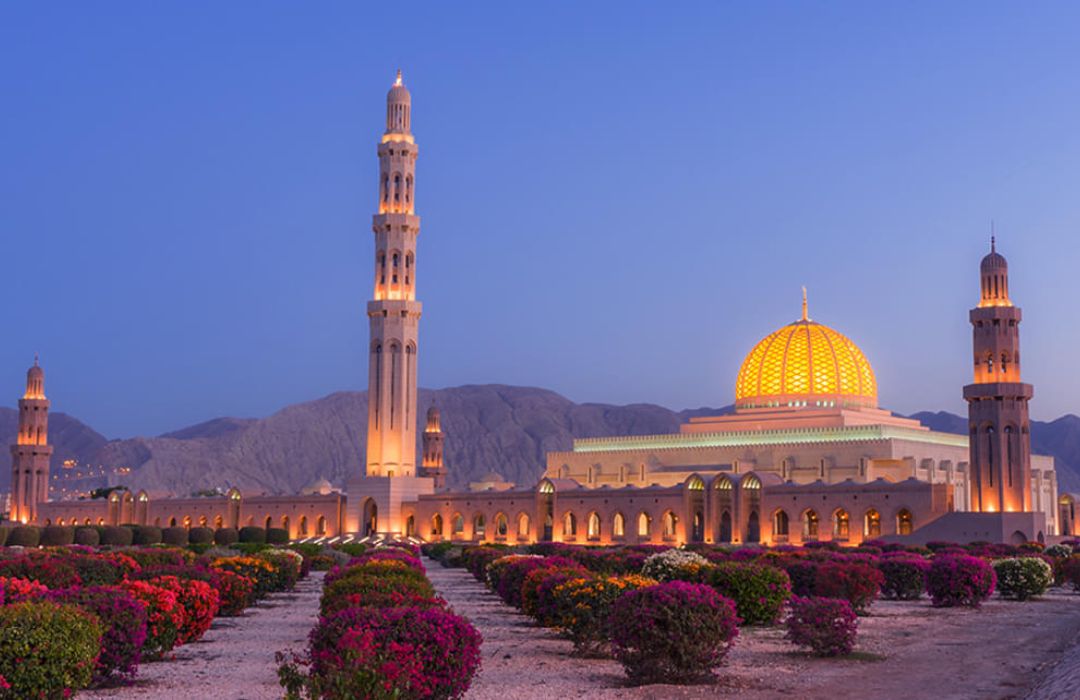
<point x="57" y="536"/>
<point x="114" y="536"/>
<point x="24" y="536"/>
<point x="200" y="535"/>
<point x="226" y="536"/>
<point x="253" y="534"/>
<point x="175" y="536"/>
<point x="277" y="535"/>
<point x="147" y="534"/>
<point x="87" y="535"/>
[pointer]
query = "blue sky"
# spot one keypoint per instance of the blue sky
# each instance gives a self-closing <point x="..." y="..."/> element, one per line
<point x="618" y="199"/>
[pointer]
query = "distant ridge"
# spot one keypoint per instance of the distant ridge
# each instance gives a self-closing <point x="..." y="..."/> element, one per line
<point x="493" y="427"/>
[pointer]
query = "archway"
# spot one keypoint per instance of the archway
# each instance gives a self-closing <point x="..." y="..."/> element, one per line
<point x="436" y="525"/>
<point x="1018" y="538"/>
<point x="523" y="526"/>
<point x="320" y="526"/>
<point x="780" y="525"/>
<point x="618" y="525"/>
<point x="872" y="524"/>
<point x="303" y="526"/>
<point x="810" y="525"/>
<point x="753" y="528"/>
<point x="725" y="526"/>
<point x="410" y="526"/>
<point x="841" y="525"/>
<point x="904" y="522"/>
<point x="370" y="520"/>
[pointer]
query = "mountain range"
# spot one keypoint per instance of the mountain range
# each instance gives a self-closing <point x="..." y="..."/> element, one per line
<point x="489" y="428"/>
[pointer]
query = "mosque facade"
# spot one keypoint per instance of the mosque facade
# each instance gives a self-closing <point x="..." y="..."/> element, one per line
<point x="807" y="454"/>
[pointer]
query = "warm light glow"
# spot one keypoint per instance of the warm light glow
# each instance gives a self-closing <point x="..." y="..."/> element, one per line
<point x="806" y="364"/>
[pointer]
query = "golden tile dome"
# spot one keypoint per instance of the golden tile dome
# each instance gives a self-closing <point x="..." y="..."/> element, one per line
<point x="806" y="364"/>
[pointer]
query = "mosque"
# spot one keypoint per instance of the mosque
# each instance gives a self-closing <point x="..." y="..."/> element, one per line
<point x="807" y="455"/>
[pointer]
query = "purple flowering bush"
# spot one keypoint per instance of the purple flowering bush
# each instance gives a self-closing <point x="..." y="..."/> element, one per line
<point x="673" y="632"/>
<point x="123" y="620"/>
<point x="826" y="625"/>
<point x="855" y="582"/>
<point x="759" y="591"/>
<point x="905" y="576"/>
<point x="959" y="580"/>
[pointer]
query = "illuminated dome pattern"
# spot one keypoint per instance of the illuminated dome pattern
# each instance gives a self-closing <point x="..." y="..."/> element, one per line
<point x="806" y="364"/>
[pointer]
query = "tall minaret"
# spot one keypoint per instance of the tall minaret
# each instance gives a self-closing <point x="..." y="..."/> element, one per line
<point x="1000" y="433"/>
<point x="394" y="313"/>
<point x="432" y="464"/>
<point x="31" y="452"/>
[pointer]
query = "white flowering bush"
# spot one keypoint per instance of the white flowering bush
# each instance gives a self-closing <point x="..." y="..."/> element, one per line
<point x="675" y="565"/>
<point x="1058" y="551"/>
<point x="1021" y="578"/>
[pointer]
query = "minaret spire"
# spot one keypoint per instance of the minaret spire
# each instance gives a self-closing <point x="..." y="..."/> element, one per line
<point x="805" y="306"/>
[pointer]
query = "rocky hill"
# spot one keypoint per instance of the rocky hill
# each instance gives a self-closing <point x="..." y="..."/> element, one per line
<point x="497" y="428"/>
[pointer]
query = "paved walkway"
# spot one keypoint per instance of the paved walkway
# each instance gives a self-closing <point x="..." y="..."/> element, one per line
<point x="235" y="659"/>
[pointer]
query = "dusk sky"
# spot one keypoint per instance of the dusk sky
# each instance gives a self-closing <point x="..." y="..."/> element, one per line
<point x="618" y="199"/>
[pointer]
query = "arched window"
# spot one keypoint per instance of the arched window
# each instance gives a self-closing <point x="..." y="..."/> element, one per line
<point x="695" y="483"/>
<point x="457" y="524"/>
<point x="594" y="525"/>
<point x="752" y="483"/>
<point x="780" y="524"/>
<point x="386" y="188"/>
<point x="436" y="525"/>
<point x="872" y="524"/>
<point x="523" y="525"/>
<point x="397" y="188"/>
<point x="618" y="526"/>
<point x="501" y="525"/>
<point x="285" y="523"/>
<point x="671" y="523"/>
<point x="841" y="525"/>
<point x="810" y="525"/>
<point x="303" y="526"/>
<point x="269" y="522"/>
<point x="722" y="483"/>
<point x="172" y="522"/>
<point x="753" y="527"/>
<point x="187" y="521"/>
<point x="570" y="524"/>
<point x="410" y="526"/>
<point x="725" y="526"/>
<point x="904" y="522"/>
<point x="644" y="525"/>
<point x="320" y="526"/>
<point x="202" y="521"/>
<point x="219" y="522"/>
<point x="479" y="525"/>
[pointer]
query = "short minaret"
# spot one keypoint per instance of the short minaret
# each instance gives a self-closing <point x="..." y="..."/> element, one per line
<point x="31" y="452"/>
<point x="394" y="313"/>
<point x="1000" y="432"/>
<point x="432" y="465"/>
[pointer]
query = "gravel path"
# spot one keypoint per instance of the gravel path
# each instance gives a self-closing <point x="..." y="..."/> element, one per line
<point x="235" y="659"/>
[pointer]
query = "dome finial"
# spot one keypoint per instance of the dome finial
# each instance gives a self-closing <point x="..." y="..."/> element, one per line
<point x="397" y="81"/>
<point x="805" y="306"/>
<point x="36" y="360"/>
<point x="993" y="238"/>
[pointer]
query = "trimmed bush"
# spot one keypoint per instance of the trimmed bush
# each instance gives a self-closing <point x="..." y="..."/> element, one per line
<point x="98" y="570"/>
<point x="47" y="650"/>
<point x="826" y="625"/>
<point x="506" y="574"/>
<point x="123" y="619"/>
<point x="235" y="592"/>
<point x="260" y="571"/>
<point x="176" y="536"/>
<point x="87" y="535"/>
<point x="478" y="558"/>
<point x="676" y="565"/>
<point x="959" y="580"/>
<point x="200" y="535"/>
<point x="759" y="591"/>
<point x="672" y="632"/>
<point x="113" y="536"/>
<point x="287" y="564"/>
<point x="200" y="603"/>
<point x="905" y="577"/>
<point x="538" y="591"/>
<point x="1022" y="578"/>
<point x="24" y="536"/>
<point x="253" y="534"/>
<point x="164" y="617"/>
<point x="360" y="653"/>
<point x="57" y="536"/>
<point x="226" y="535"/>
<point x="587" y="606"/>
<point x="147" y="534"/>
<point x="277" y="535"/>
<point x="803" y="575"/>
<point x="858" y="584"/>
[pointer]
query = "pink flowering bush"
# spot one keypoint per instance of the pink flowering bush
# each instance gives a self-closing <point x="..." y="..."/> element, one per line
<point x="905" y="576"/>
<point x="826" y="625"/>
<point x="165" y="617"/>
<point x="506" y="576"/>
<point x="672" y="632"/>
<point x="123" y="620"/>
<point x="18" y="590"/>
<point x="857" y="583"/>
<point x="959" y="580"/>
<point x="759" y="591"/>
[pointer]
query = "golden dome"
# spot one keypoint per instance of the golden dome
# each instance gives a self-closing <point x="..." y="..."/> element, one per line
<point x="806" y="364"/>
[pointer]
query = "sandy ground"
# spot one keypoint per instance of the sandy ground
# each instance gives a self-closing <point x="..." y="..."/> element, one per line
<point x="235" y="659"/>
<point x="905" y="650"/>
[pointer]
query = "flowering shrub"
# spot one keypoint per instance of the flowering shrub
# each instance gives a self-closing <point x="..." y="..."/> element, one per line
<point x="96" y="570"/>
<point x="506" y="576"/>
<point x="759" y="591"/>
<point x="959" y="579"/>
<point x="18" y="590"/>
<point x="235" y="592"/>
<point x="161" y="556"/>
<point x="803" y="575"/>
<point x="287" y="566"/>
<point x="675" y="564"/>
<point x="538" y="591"/>
<point x="858" y="584"/>
<point x="585" y="605"/>
<point x="672" y="632"/>
<point x="199" y="601"/>
<point x="47" y="650"/>
<point x="52" y="572"/>
<point x="1022" y="578"/>
<point x="399" y="653"/>
<point x="368" y="587"/>
<point x="477" y="559"/>
<point x="258" y="570"/>
<point x="826" y="625"/>
<point x="905" y="576"/>
<point x="123" y="620"/>
<point x="164" y="617"/>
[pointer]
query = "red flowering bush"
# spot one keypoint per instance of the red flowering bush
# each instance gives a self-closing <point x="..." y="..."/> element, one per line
<point x="235" y="592"/>
<point x="52" y="572"/>
<point x="826" y="625"/>
<point x="1070" y="571"/>
<point x="47" y="650"/>
<point x="858" y="584"/>
<point x="759" y="591"/>
<point x="123" y="620"/>
<point x="959" y="579"/>
<point x="506" y="575"/>
<point x="258" y="570"/>
<point x="392" y="653"/>
<point x="199" y="601"/>
<point x="905" y="576"/>
<point x="19" y="590"/>
<point x="164" y="617"/>
<point x="538" y="591"/>
<point x="672" y="632"/>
